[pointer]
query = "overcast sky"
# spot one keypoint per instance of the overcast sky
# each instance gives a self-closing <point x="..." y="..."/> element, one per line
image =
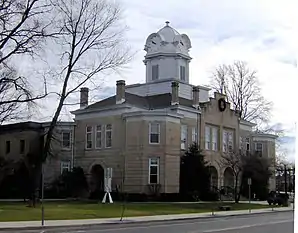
<point x="261" y="32"/>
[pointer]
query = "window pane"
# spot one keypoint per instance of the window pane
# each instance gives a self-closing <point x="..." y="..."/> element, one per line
<point x="154" y="138"/>
<point x="194" y="134"/>
<point x="214" y="138"/>
<point x="153" y="179"/>
<point x="109" y="139"/>
<point x="98" y="128"/>
<point x="7" y="147"/>
<point x="108" y="127"/>
<point x="154" y="128"/>
<point x="89" y="129"/>
<point x="66" y="139"/>
<point x="22" y="146"/>
<point x="155" y="72"/>
<point x="183" y="136"/>
<point x="154" y="161"/>
<point x="207" y="138"/>
<point x="153" y="170"/>
<point x="89" y="136"/>
<point x="182" y="73"/>
<point x="98" y="139"/>
<point x="89" y="140"/>
<point x="259" y="147"/>
<point x="89" y="144"/>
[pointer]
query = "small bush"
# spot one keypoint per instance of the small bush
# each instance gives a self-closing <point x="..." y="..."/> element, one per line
<point x="209" y="196"/>
<point x="69" y="184"/>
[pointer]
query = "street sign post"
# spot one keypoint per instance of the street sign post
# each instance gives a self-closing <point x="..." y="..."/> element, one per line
<point x="249" y="192"/>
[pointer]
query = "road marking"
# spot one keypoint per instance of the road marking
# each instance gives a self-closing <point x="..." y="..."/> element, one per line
<point x="242" y="227"/>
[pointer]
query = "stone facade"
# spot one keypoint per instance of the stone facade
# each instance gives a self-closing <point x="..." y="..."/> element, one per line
<point x="17" y="140"/>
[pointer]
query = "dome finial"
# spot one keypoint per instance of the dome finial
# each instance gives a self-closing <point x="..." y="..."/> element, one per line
<point x="167" y="23"/>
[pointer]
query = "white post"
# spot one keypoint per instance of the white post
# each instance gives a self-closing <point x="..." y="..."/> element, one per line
<point x="108" y="185"/>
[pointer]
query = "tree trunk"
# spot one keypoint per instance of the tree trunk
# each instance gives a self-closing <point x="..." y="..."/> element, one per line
<point x="236" y="193"/>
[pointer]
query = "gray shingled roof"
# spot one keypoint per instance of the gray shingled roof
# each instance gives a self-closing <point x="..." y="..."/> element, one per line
<point x="146" y="102"/>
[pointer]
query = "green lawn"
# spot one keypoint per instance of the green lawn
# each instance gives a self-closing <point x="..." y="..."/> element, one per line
<point x="87" y="210"/>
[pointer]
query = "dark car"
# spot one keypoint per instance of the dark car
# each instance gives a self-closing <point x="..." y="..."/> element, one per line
<point x="277" y="198"/>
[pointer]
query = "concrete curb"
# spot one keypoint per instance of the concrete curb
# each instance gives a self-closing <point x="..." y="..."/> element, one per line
<point x="114" y="221"/>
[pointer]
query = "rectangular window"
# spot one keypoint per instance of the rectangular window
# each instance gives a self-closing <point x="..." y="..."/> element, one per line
<point x="214" y="138"/>
<point x="98" y="137"/>
<point x="154" y="133"/>
<point x="108" y="136"/>
<point x="65" y="166"/>
<point x="225" y="141"/>
<point x="194" y="135"/>
<point x="247" y="144"/>
<point x="22" y="147"/>
<point x="66" y="140"/>
<point x="207" y="137"/>
<point x="182" y="73"/>
<point x="155" y="72"/>
<point x="183" y="136"/>
<point x="228" y="141"/>
<point x="88" y="137"/>
<point x="240" y="143"/>
<point x="259" y="147"/>
<point x="7" y="147"/>
<point x="153" y="171"/>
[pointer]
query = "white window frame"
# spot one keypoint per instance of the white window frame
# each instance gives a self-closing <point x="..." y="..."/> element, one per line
<point x="65" y="165"/>
<point x="183" y="137"/>
<point x="194" y="135"/>
<point x="214" y="141"/>
<point x="156" y="133"/>
<point x="91" y="138"/>
<point x="106" y="132"/>
<point x="98" y="136"/>
<point x="62" y="140"/>
<point x="207" y="137"/>
<point x="153" y="165"/>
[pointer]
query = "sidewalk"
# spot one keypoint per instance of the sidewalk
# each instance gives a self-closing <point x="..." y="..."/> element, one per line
<point x="71" y="223"/>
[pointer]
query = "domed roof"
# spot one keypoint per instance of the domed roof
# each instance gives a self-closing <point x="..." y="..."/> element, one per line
<point x="169" y="34"/>
<point x="167" y="41"/>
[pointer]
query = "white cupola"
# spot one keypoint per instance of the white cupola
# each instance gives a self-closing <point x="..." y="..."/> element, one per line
<point x="167" y="55"/>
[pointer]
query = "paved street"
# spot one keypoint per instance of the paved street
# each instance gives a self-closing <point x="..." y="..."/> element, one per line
<point x="261" y="223"/>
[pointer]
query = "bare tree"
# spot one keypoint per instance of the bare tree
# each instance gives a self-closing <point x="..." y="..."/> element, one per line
<point x="24" y="27"/>
<point x="234" y="161"/>
<point x="91" y="42"/>
<point x="242" y="89"/>
<point x="17" y="98"/>
<point x="243" y="165"/>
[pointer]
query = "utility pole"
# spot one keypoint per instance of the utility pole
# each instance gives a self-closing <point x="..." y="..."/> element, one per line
<point x="286" y="184"/>
<point x="249" y="192"/>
